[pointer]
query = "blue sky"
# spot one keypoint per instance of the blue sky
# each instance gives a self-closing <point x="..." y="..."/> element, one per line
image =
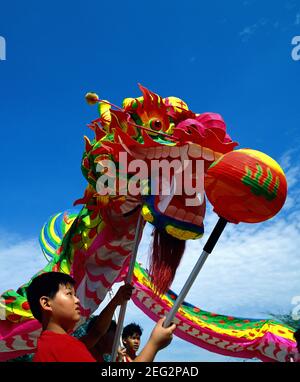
<point x="231" y="57"/>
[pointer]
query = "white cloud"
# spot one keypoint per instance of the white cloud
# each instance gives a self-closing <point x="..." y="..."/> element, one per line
<point x="293" y="20"/>
<point x="248" y="31"/>
<point x="20" y="259"/>
<point x="291" y="168"/>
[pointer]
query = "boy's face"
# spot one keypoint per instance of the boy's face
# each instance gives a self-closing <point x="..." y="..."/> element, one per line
<point x="132" y="343"/>
<point x="65" y="306"/>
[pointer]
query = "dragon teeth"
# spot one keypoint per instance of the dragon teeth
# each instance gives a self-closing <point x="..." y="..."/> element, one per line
<point x="165" y="151"/>
<point x="174" y="152"/>
<point x="184" y="152"/>
<point x="208" y="154"/>
<point x="195" y="151"/>
<point x="170" y="211"/>
<point x="151" y="153"/>
<point x="158" y="152"/>
<point x="198" y="220"/>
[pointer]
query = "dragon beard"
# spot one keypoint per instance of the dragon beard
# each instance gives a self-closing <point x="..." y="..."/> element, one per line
<point x="165" y="257"/>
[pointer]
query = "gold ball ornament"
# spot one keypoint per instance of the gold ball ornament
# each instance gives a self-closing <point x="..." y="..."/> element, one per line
<point x="91" y="98"/>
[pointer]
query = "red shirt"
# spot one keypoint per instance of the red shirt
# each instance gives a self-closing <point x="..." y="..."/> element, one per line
<point x="54" y="347"/>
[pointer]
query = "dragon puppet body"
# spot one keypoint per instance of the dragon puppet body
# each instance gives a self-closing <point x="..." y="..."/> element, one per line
<point x="94" y="243"/>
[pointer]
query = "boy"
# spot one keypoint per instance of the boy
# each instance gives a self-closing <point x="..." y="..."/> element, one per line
<point x="131" y="338"/>
<point x="53" y="303"/>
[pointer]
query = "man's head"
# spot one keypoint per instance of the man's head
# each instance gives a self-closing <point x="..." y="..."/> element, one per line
<point x="297" y="338"/>
<point x="51" y="295"/>
<point x="131" y="337"/>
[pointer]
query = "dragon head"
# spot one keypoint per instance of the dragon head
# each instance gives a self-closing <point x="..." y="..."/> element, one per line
<point x="154" y="152"/>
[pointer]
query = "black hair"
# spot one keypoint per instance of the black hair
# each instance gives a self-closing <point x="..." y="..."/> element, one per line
<point x="130" y="329"/>
<point x="297" y="337"/>
<point x="45" y="284"/>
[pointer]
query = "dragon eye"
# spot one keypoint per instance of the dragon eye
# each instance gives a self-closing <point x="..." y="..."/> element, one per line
<point x="155" y="124"/>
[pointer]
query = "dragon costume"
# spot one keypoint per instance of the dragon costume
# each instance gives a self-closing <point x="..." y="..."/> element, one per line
<point x="94" y="242"/>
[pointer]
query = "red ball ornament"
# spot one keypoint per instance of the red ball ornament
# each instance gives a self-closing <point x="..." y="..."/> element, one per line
<point x="246" y="186"/>
<point x="25" y="305"/>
